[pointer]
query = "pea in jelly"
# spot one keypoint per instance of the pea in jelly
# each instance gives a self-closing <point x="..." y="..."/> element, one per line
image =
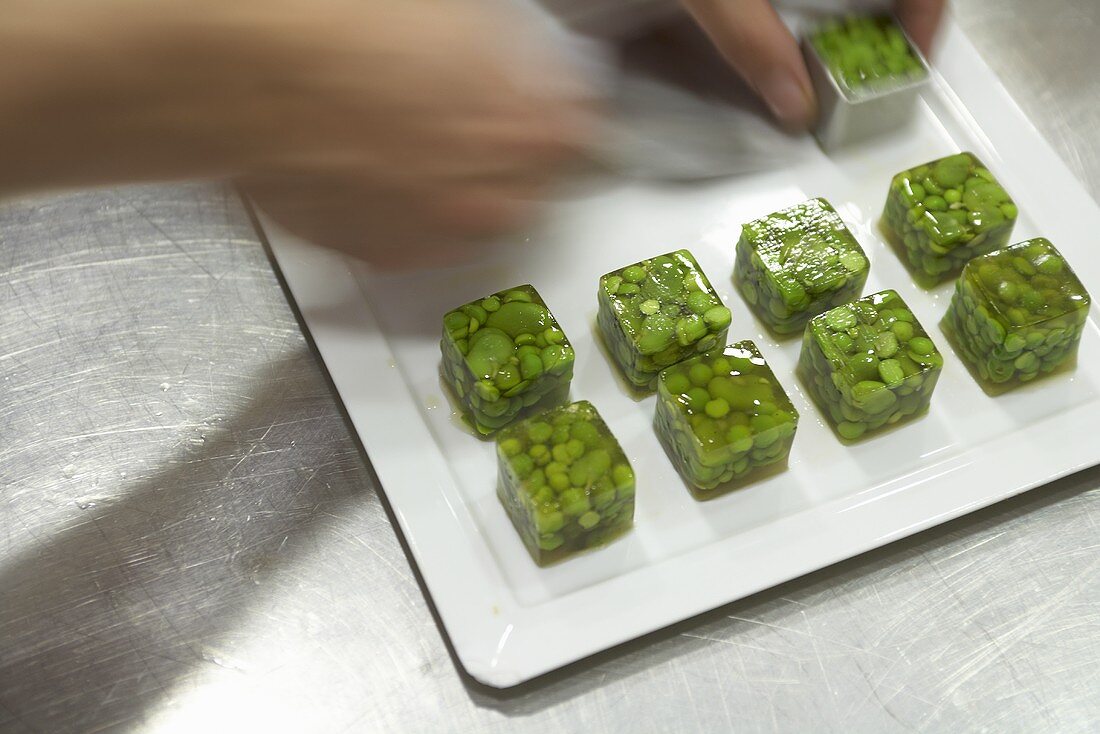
<point x="869" y="364"/>
<point x="795" y="263"/>
<point x="657" y="312"/>
<point x="941" y="214"/>
<point x="724" y="418"/>
<point x="1017" y="314"/>
<point x="564" y="482"/>
<point x="503" y="355"/>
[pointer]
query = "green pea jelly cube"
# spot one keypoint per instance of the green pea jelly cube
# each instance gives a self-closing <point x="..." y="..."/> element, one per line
<point x="1016" y="314"/>
<point x="796" y="263"/>
<point x="658" y="312"/>
<point x="869" y="364"/>
<point x="867" y="53"/>
<point x="940" y="215"/>
<point x="504" y="354"/>
<point x="724" y="419"/>
<point x="564" y="482"/>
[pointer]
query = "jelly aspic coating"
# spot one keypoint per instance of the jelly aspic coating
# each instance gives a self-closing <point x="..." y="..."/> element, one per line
<point x="940" y="215"/>
<point x="657" y="312"/>
<point x="869" y="364"/>
<point x="867" y="53"/>
<point x="724" y="417"/>
<point x="1016" y="314"/>
<point x="796" y="263"/>
<point x="503" y="355"/>
<point x="565" y="482"/>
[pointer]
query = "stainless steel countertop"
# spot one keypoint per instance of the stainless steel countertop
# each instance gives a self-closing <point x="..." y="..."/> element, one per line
<point x="192" y="537"/>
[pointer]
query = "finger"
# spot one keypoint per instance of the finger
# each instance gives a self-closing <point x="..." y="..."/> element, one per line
<point x="485" y="211"/>
<point x="752" y="38"/>
<point x="921" y="19"/>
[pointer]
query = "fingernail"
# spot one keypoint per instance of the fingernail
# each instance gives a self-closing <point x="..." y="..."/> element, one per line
<point x="787" y="100"/>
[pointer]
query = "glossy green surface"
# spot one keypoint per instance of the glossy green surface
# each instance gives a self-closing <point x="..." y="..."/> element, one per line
<point x="564" y="482"/>
<point x="723" y="416"/>
<point x="797" y="263"/>
<point x="658" y="312"/>
<point x="504" y="354"/>
<point x="942" y="214"/>
<point x="867" y="53"/>
<point x="1017" y="313"/>
<point x="869" y="364"/>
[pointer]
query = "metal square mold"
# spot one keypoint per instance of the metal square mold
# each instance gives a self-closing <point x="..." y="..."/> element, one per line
<point x="852" y="116"/>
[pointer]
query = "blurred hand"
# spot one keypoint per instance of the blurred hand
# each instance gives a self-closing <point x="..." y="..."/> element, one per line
<point x="395" y="131"/>
<point x="750" y="35"/>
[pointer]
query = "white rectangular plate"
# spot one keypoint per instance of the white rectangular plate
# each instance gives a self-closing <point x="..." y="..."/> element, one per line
<point x="509" y="620"/>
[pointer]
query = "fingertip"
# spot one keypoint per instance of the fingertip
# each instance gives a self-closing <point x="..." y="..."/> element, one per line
<point x="791" y="102"/>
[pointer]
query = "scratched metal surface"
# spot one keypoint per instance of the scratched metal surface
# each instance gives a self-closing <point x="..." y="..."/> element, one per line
<point x="190" y="537"/>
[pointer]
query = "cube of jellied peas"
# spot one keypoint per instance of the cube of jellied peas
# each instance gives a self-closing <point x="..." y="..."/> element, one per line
<point x="658" y="312"/>
<point x="724" y="417"/>
<point x="867" y="53"/>
<point x="564" y="482"/>
<point x="1016" y="314"/>
<point x="868" y="364"/>
<point x="941" y="214"/>
<point x="503" y="354"/>
<point x="796" y="263"/>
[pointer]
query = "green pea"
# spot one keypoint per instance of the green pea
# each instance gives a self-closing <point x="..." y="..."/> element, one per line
<point x="700" y="374"/>
<point x="700" y="302"/>
<point x="634" y="274"/>
<point x="952" y="171"/>
<point x="650" y="307"/>
<point x="891" y="372"/>
<point x="935" y="203"/>
<point x="522" y="465"/>
<point x="622" y="475"/>
<point x="903" y="330"/>
<point x="841" y="318"/>
<point x="717" y="318"/>
<point x="717" y="408"/>
<point x="589" y="519"/>
<point x="864" y="366"/>
<point x="922" y="345"/>
<point x="530" y="366"/>
<point x="611" y="283"/>
<point x="851" y="430"/>
<point x="697" y="399"/>
<point x="690" y="329"/>
<point x="677" y="383"/>
<point x="627" y="290"/>
<point x="455" y="320"/>
<point x="517" y="317"/>
<point x="559" y="481"/>
<point x="886" y="345"/>
<point x="574" y="502"/>
<point x="739" y="438"/>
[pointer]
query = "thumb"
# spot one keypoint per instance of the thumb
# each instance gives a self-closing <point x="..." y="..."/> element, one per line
<point x="752" y="38"/>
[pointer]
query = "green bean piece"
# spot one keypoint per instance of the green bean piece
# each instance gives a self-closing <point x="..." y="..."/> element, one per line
<point x="869" y="364"/>
<point x="504" y="356"/>
<point x="938" y="232"/>
<point x="564" y="482"/>
<point x="724" y="418"/>
<point x="1017" y="313"/>
<point x="796" y="263"/>
<point x="867" y="54"/>
<point x="669" y="313"/>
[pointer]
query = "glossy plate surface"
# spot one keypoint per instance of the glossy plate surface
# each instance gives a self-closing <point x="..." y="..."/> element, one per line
<point x="510" y="621"/>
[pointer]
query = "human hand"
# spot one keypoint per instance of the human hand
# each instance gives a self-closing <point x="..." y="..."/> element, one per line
<point x="752" y="38"/>
<point x="396" y="131"/>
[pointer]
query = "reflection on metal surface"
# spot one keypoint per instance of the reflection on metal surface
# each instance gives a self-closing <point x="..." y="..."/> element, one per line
<point x="190" y="539"/>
